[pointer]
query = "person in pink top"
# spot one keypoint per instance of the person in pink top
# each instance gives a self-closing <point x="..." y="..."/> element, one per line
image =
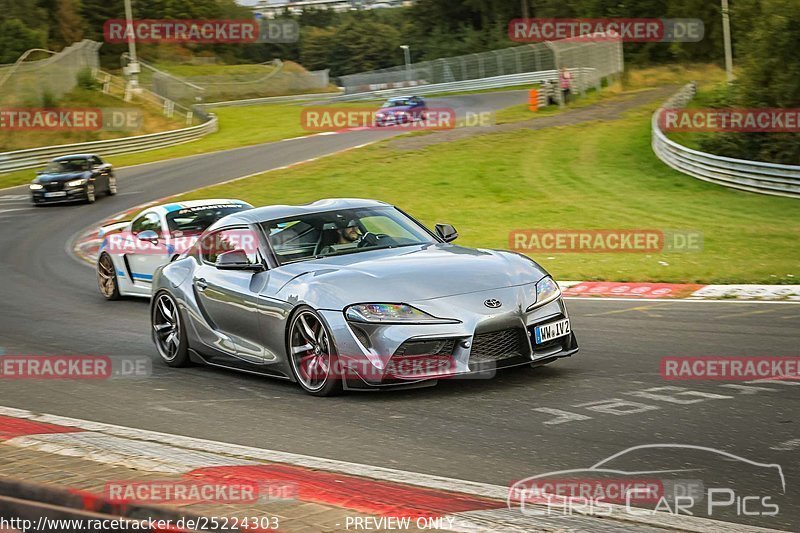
<point x="565" y="81"/>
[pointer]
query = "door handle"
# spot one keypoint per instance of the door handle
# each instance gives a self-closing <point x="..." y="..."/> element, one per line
<point x="201" y="284"/>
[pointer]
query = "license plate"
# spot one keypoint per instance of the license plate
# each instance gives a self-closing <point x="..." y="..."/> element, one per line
<point x="551" y="330"/>
<point x="55" y="194"/>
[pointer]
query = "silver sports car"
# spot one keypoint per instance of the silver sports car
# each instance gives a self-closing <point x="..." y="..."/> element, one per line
<point x="353" y="294"/>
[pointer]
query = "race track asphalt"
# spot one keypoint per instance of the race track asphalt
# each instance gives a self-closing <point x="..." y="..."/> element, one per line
<point x="571" y="414"/>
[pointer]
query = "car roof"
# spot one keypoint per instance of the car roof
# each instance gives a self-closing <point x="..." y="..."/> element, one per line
<point x="177" y="206"/>
<point x="274" y="212"/>
<point x="73" y="156"/>
<point x="404" y="97"/>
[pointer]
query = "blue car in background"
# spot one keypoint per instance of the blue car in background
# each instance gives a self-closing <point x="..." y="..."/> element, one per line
<point x="401" y="110"/>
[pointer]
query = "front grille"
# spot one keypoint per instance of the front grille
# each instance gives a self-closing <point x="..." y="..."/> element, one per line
<point x="497" y="345"/>
<point x="53" y="186"/>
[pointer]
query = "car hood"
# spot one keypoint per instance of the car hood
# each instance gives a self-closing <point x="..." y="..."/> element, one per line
<point x="59" y="176"/>
<point x="405" y="274"/>
<point x="396" y="109"/>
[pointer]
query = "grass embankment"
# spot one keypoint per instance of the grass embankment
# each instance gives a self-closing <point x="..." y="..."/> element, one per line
<point x="154" y="121"/>
<point x="245" y="126"/>
<point x="588" y="176"/>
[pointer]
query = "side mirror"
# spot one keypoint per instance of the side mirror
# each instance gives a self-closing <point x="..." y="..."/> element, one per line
<point x="39" y="172"/>
<point x="148" y="235"/>
<point x="446" y="232"/>
<point x="236" y="260"/>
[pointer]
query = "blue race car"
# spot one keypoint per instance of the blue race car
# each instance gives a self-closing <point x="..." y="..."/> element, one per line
<point x="401" y="110"/>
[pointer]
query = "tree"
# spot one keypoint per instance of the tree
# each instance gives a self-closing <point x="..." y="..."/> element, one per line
<point x="16" y="38"/>
<point x="769" y="68"/>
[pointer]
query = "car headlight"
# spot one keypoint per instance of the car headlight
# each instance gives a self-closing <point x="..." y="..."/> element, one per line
<point x="76" y="183"/>
<point x="546" y="291"/>
<point x="392" y="314"/>
<point x="36" y="186"/>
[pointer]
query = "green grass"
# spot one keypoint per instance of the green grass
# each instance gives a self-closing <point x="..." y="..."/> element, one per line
<point x="186" y="70"/>
<point x="239" y="126"/>
<point x="521" y="112"/>
<point x="588" y="176"/>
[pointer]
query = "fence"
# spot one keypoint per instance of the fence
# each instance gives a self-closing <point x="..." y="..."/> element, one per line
<point x="275" y="78"/>
<point x="596" y="60"/>
<point x="35" y="157"/>
<point x="752" y="176"/>
<point x="25" y="83"/>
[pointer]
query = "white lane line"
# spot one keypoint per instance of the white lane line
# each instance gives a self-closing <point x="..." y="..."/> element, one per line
<point x="180" y="447"/>
<point x="787" y="446"/>
<point x="2" y="211"/>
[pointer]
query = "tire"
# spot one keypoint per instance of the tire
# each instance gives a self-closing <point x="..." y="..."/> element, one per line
<point x="90" y="194"/>
<point x="107" y="278"/>
<point x="314" y="369"/>
<point x="112" y="186"/>
<point x="169" y="333"/>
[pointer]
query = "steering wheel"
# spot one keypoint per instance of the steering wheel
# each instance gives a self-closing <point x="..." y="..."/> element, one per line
<point x="368" y="239"/>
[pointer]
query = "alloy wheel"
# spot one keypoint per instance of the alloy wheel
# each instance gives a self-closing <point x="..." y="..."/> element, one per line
<point x="310" y="350"/>
<point x="106" y="277"/>
<point x="167" y="327"/>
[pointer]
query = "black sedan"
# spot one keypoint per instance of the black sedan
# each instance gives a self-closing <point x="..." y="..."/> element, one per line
<point x="73" y="177"/>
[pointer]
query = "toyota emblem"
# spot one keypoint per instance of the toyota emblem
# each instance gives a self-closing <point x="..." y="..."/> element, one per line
<point x="492" y="303"/>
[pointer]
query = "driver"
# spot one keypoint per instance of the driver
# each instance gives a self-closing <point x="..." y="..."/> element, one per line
<point x="350" y="233"/>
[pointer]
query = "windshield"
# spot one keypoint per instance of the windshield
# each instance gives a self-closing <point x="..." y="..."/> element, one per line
<point x="398" y="102"/>
<point x="67" y="165"/>
<point x="194" y="220"/>
<point x="342" y="232"/>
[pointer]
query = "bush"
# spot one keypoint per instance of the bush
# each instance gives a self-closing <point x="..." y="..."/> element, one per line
<point x="49" y="99"/>
<point x="86" y="79"/>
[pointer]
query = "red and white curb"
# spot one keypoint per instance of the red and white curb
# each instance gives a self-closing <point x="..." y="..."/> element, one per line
<point x="463" y="506"/>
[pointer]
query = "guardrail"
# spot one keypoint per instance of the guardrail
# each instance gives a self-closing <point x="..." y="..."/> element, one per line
<point x="742" y="174"/>
<point x="35" y="157"/>
<point x="495" y="82"/>
<point x="271" y="100"/>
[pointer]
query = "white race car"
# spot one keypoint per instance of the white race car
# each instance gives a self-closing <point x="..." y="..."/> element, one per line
<point x="132" y="251"/>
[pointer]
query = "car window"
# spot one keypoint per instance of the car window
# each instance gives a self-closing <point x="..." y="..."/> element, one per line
<point x="68" y="165"/>
<point x="226" y="240"/>
<point x="146" y="221"/>
<point x="195" y="220"/>
<point x="386" y="226"/>
<point x="96" y="161"/>
<point x="394" y="102"/>
<point x="343" y="231"/>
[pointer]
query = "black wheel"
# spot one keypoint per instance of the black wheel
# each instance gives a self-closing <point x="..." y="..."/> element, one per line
<point x="107" y="278"/>
<point x="90" y="194"/>
<point x="312" y="354"/>
<point x="112" y="186"/>
<point x="168" y="331"/>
